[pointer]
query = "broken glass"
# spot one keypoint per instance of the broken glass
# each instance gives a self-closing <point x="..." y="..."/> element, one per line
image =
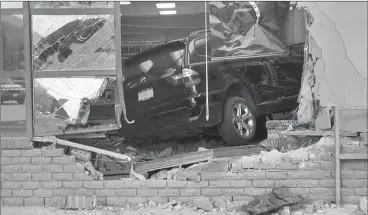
<point x="13" y="42"/>
<point x="13" y="105"/>
<point x="73" y="42"/>
<point x="72" y="4"/>
<point x="69" y="104"/>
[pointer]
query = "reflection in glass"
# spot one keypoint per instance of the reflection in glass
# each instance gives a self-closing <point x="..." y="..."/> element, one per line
<point x="73" y="42"/>
<point x="13" y="108"/>
<point x="72" y="4"/>
<point x="62" y="104"/>
<point x="13" y="42"/>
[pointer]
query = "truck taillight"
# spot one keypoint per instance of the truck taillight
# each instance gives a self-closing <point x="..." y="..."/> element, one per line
<point x="190" y="78"/>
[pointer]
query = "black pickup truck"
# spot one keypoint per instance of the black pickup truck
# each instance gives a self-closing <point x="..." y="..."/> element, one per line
<point x="165" y="90"/>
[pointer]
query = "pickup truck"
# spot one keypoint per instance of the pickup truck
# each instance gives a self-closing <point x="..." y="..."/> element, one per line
<point x="165" y="91"/>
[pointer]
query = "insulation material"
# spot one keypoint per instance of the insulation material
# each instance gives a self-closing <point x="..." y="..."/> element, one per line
<point x="247" y="28"/>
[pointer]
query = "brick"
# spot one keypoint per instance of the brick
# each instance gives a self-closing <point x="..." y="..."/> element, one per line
<point x="116" y="201"/>
<point x="276" y="175"/>
<point x="254" y="191"/>
<point x="258" y="174"/>
<point x="31" y="153"/>
<point x="62" y="176"/>
<point x="74" y="168"/>
<point x="41" y="160"/>
<point x="328" y="165"/>
<point x="41" y="176"/>
<point x="211" y="192"/>
<point x="63" y="192"/>
<point x="210" y="176"/>
<point x="350" y="199"/>
<point x="6" y="193"/>
<point x="189" y="192"/>
<point x="200" y="184"/>
<point x="286" y="183"/>
<point x="311" y="174"/>
<point x="52" y="184"/>
<point x="353" y="165"/>
<point x="286" y="166"/>
<point x="155" y="183"/>
<point x="52" y="168"/>
<point x="11" y="185"/>
<point x="17" y="143"/>
<point x="158" y="199"/>
<point x="220" y="184"/>
<point x="56" y="201"/>
<point x="72" y="184"/>
<point x="13" y="202"/>
<point x="22" y="193"/>
<point x="5" y="161"/>
<point x="5" y="177"/>
<point x="243" y="198"/>
<point x="34" y="201"/>
<point x="93" y="184"/>
<point x="53" y="152"/>
<point x="241" y="183"/>
<point x="136" y="200"/>
<point x="326" y="199"/>
<point x="20" y="160"/>
<point x="31" y="168"/>
<point x="231" y="176"/>
<point x="21" y="176"/>
<point x="301" y="191"/>
<point x="263" y="183"/>
<point x="7" y="143"/>
<point x="265" y="166"/>
<point x="233" y="192"/>
<point x="346" y="192"/>
<point x="101" y="200"/>
<point x="309" y="165"/>
<point x="347" y="173"/>
<point x="307" y="183"/>
<point x="322" y="191"/>
<point x="360" y="174"/>
<point x="63" y="160"/>
<point x="168" y="192"/>
<point x="105" y="192"/>
<point x="42" y="193"/>
<point x="327" y="183"/>
<point x="177" y="199"/>
<point x="84" y="192"/>
<point x="11" y="153"/>
<point x="236" y="167"/>
<point x="31" y="185"/>
<point x="11" y="169"/>
<point x="126" y="192"/>
<point x="352" y="148"/>
<point x="147" y="192"/>
<point x="134" y="184"/>
<point x="176" y="184"/>
<point x="25" y="144"/>
<point x="363" y="191"/>
<point x="326" y="156"/>
<point x="354" y="183"/>
<point x="114" y="184"/>
<point x="248" y="165"/>
<point x="82" y="177"/>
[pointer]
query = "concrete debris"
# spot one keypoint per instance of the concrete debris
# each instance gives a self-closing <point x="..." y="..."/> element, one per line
<point x="321" y="211"/>
<point x="351" y="208"/>
<point x="203" y="203"/>
<point x="284" y="210"/>
<point x="201" y="149"/>
<point x="298" y="212"/>
<point x="164" y="153"/>
<point x="81" y="154"/>
<point x="309" y="209"/>
<point x="96" y="175"/>
<point x="363" y="205"/>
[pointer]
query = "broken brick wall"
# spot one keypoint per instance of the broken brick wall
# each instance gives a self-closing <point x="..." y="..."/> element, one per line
<point x="46" y="177"/>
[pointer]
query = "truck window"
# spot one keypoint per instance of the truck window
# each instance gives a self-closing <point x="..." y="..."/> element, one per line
<point x="259" y="75"/>
<point x="288" y="72"/>
<point x="197" y="48"/>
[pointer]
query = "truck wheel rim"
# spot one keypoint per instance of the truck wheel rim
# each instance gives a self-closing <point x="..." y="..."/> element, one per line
<point x="242" y="119"/>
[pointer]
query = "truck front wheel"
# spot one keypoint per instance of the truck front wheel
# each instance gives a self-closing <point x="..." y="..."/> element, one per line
<point x="238" y="126"/>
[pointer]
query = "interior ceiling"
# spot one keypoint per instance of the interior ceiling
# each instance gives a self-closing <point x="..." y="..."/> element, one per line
<point x="138" y="8"/>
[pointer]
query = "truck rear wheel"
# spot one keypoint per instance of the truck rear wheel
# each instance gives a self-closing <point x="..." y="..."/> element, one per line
<point x="238" y="125"/>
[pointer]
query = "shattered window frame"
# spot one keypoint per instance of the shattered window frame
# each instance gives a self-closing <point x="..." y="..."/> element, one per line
<point x="30" y="75"/>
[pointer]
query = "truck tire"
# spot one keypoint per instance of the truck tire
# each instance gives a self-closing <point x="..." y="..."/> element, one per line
<point x="238" y="126"/>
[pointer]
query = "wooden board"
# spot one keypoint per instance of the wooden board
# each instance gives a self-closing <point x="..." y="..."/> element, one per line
<point x="318" y="133"/>
<point x="238" y="151"/>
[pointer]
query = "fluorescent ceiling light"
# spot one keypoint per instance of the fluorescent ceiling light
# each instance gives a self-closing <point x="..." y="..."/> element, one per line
<point x="167" y="12"/>
<point x="125" y="2"/>
<point x="165" y="5"/>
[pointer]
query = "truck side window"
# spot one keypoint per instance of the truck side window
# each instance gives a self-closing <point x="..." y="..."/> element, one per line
<point x="288" y="72"/>
<point x="259" y="75"/>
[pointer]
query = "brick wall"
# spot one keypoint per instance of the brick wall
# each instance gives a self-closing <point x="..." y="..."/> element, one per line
<point x="34" y="177"/>
<point x="14" y="143"/>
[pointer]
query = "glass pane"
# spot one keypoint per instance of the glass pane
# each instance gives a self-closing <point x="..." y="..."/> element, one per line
<point x="13" y="105"/>
<point x="73" y="104"/>
<point x="72" y="4"/>
<point x="11" y="4"/>
<point x="73" y="42"/>
<point x="13" y="42"/>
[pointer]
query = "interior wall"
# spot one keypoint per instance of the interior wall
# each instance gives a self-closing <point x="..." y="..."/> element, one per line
<point x="340" y="32"/>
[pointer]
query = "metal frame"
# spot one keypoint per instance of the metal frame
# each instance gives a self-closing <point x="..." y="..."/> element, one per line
<point x="28" y="72"/>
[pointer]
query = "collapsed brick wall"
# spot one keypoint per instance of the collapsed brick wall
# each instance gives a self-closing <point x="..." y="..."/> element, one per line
<point x="34" y="177"/>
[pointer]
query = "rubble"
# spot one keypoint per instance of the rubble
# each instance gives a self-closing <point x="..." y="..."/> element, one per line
<point x="363" y="205"/>
<point x="203" y="203"/>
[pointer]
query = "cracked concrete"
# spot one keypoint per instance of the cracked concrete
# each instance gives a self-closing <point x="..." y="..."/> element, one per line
<point x="341" y="73"/>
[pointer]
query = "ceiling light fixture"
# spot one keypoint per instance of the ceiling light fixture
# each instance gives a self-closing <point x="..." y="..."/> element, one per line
<point x="167" y="12"/>
<point x="165" y="5"/>
<point x="125" y="2"/>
